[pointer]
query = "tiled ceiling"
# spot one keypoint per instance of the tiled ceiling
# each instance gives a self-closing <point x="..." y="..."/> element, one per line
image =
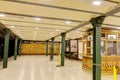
<point x="44" y="19"/>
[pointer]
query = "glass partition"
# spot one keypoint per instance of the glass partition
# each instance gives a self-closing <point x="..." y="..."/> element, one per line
<point x="112" y="48"/>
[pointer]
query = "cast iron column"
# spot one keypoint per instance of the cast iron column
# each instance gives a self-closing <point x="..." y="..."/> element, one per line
<point x="96" y="23"/>
<point x="47" y="48"/>
<point x="6" y="48"/>
<point x="16" y="47"/>
<point x="62" y="48"/>
<point x="20" y="47"/>
<point x="52" y="49"/>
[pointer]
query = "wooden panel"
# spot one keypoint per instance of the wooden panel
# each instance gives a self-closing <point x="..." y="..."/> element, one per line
<point x="38" y="48"/>
<point x="107" y="63"/>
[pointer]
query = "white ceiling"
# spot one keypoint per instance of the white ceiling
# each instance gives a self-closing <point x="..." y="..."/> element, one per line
<point x="53" y="15"/>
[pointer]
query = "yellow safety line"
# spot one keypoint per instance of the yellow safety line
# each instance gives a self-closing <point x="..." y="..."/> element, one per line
<point x="59" y="59"/>
<point x="114" y="73"/>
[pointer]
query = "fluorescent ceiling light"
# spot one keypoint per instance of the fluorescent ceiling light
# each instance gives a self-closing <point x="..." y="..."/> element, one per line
<point x="97" y="2"/>
<point x="2" y="15"/>
<point x="12" y="26"/>
<point x="37" y="19"/>
<point x="68" y="22"/>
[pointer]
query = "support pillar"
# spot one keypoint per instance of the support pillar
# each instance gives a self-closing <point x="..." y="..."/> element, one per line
<point x="96" y="23"/>
<point x="62" y="48"/>
<point x="16" y="48"/>
<point x="20" y="47"/>
<point x="52" y="49"/>
<point x="47" y="48"/>
<point x="6" y="48"/>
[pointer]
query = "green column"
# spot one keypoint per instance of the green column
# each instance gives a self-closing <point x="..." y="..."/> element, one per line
<point x="47" y="48"/>
<point x="96" y="23"/>
<point x="16" y="47"/>
<point x="20" y="47"/>
<point x="6" y="48"/>
<point x="62" y="48"/>
<point x="52" y="49"/>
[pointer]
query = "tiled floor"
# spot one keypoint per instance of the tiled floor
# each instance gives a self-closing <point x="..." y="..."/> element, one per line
<point x="40" y="68"/>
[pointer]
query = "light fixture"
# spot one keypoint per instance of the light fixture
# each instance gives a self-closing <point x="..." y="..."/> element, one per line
<point x="12" y="26"/>
<point x="36" y="28"/>
<point x="2" y="15"/>
<point x="57" y="30"/>
<point x="35" y="32"/>
<point x="17" y="31"/>
<point x="68" y="22"/>
<point x="77" y="31"/>
<point x="97" y="2"/>
<point x="37" y="19"/>
<point x="51" y="33"/>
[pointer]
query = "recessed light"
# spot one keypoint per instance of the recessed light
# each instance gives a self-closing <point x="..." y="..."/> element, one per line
<point x="2" y="15"/>
<point x="35" y="32"/>
<point x="17" y="31"/>
<point x="57" y="30"/>
<point x="51" y="33"/>
<point x="36" y="28"/>
<point x="12" y="26"/>
<point x="77" y="31"/>
<point x="97" y="2"/>
<point x="68" y="22"/>
<point x="37" y="19"/>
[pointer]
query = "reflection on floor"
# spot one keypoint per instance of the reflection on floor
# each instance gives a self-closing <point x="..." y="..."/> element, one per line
<point x="41" y="68"/>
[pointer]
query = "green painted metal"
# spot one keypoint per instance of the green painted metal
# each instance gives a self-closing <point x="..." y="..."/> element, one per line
<point x="97" y="22"/>
<point x="52" y="49"/>
<point x="6" y="48"/>
<point x="47" y="48"/>
<point x="16" y="48"/>
<point x="63" y="48"/>
<point x="20" y="47"/>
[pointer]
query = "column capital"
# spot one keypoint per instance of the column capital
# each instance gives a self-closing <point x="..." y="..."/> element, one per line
<point x="97" y="22"/>
<point x="7" y="30"/>
<point x="47" y="40"/>
<point x="16" y="36"/>
<point x="63" y="34"/>
<point x="52" y="38"/>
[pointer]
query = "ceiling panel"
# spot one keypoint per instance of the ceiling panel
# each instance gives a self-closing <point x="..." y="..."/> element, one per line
<point x="55" y="17"/>
<point x="112" y="20"/>
<point x="43" y="11"/>
<point x="77" y="4"/>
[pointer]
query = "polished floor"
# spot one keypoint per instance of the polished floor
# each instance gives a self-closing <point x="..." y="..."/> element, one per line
<point x="41" y="68"/>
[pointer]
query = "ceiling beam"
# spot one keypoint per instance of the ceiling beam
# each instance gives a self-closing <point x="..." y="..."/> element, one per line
<point x="116" y="10"/>
<point x="109" y="13"/>
<point x="33" y="27"/>
<point x="44" y="17"/>
<point x="44" y="24"/>
<point x="40" y="27"/>
<point x="111" y="25"/>
<point x="52" y="6"/>
<point x="36" y="23"/>
<point x="81" y="25"/>
<point x="112" y="1"/>
<point x="59" y="7"/>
